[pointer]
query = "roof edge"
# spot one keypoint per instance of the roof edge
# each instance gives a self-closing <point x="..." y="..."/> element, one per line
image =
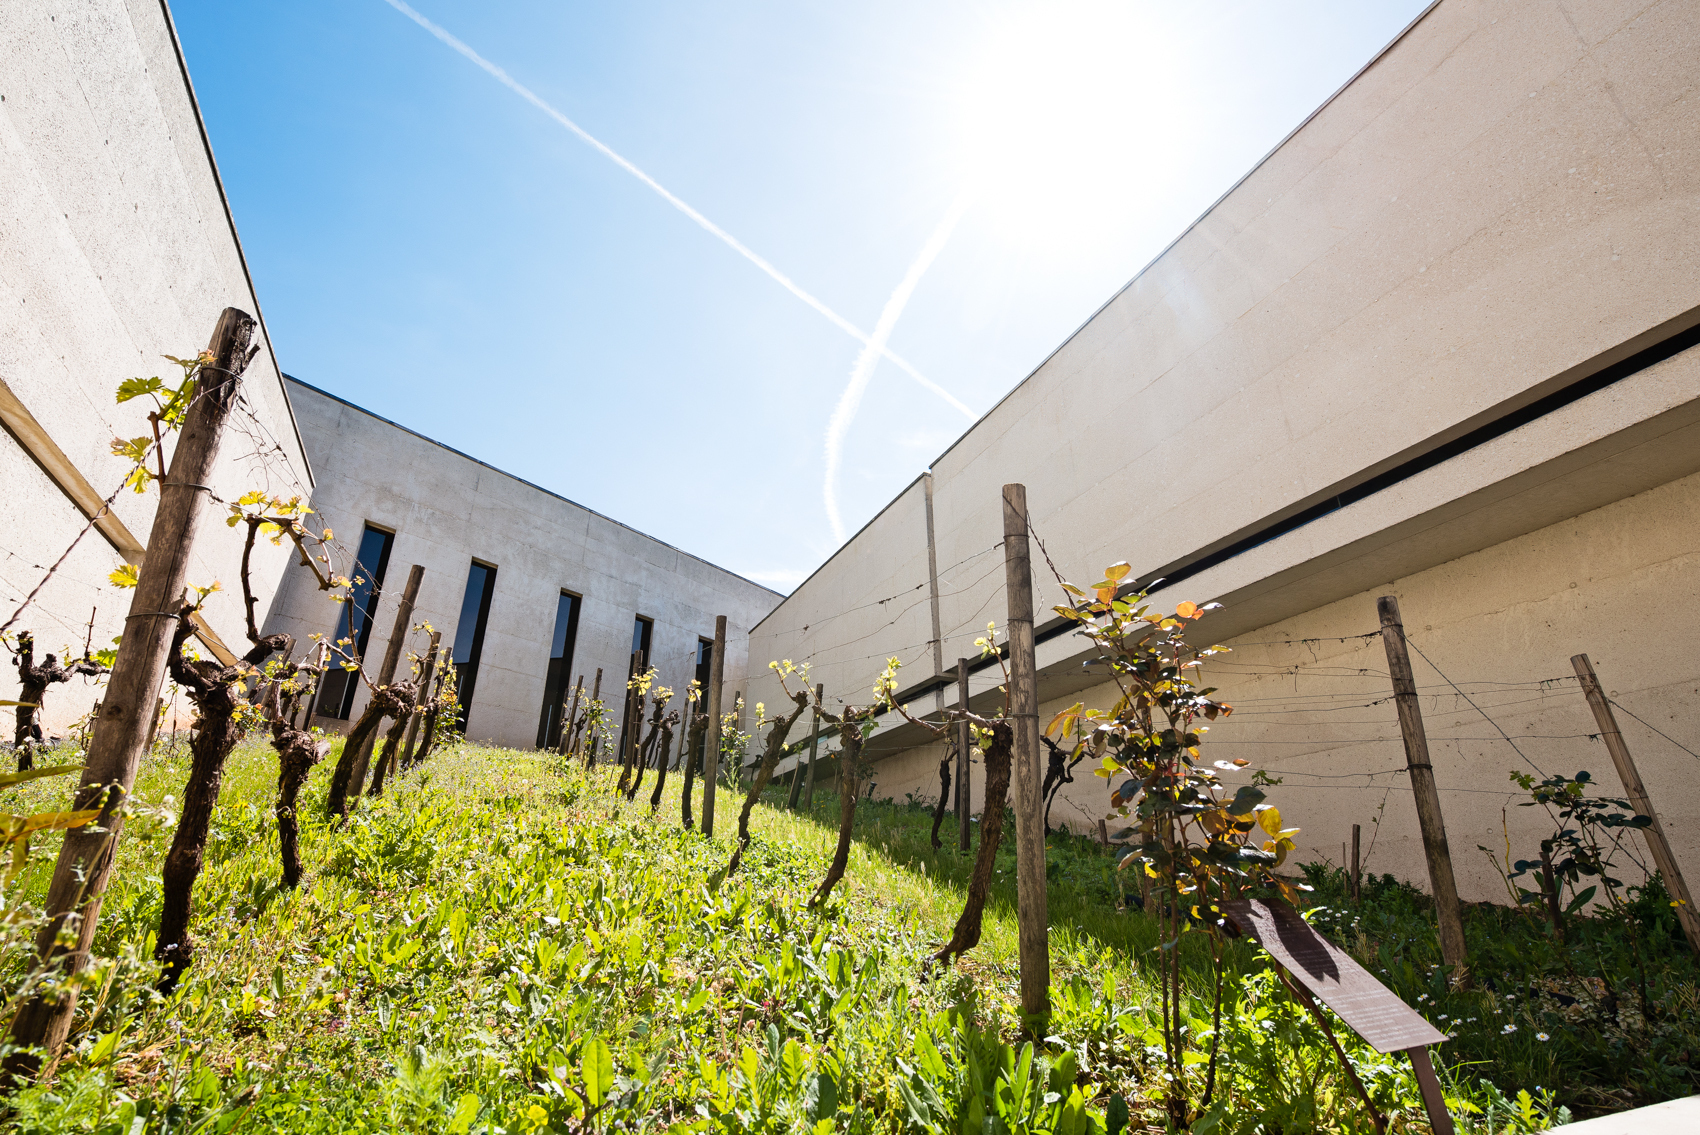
<point x="528" y="484"/>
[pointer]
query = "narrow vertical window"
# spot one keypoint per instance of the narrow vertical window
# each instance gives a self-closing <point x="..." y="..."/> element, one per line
<point x="643" y="630"/>
<point x="558" y="681"/>
<point x="355" y="622"/>
<point x="705" y="667"/>
<point x="469" y="634"/>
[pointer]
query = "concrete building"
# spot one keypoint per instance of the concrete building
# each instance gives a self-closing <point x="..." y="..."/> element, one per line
<point x="1439" y="344"/>
<point x="531" y="590"/>
<point x="117" y="246"/>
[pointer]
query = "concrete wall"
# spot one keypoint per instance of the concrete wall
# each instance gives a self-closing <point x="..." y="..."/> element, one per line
<point x="116" y="247"/>
<point x="446" y="509"/>
<point x="1500" y="206"/>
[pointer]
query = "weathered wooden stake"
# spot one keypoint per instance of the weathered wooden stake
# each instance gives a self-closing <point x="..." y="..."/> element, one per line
<point x="711" y="756"/>
<point x="423" y="696"/>
<point x="738" y="727"/>
<point x="1434" y="1100"/>
<point x="814" y="748"/>
<point x="964" y="743"/>
<point x="588" y="744"/>
<point x="1357" y="866"/>
<point x="1030" y="904"/>
<point x="1445" y="887"/>
<point x="153" y="724"/>
<point x="1654" y="832"/>
<point x="933" y="596"/>
<point x="386" y="669"/>
<point x="571" y="717"/>
<point x="86" y="855"/>
<point x="797" y="768"/>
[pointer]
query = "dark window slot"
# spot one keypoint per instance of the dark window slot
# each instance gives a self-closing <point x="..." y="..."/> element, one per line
<point x="355" y="622"/>
<point x="469" y="634"/>
<point x="557" y="683"/>
<point x="643" y="632"/>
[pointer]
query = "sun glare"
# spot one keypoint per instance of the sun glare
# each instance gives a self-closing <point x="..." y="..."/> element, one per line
<point x="1066" y="115"/>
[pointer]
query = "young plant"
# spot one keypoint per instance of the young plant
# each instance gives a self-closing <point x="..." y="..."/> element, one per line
<point x="995" y="738"/>
<point x="694" y="743"/>
<point x="441" y="710"/>
<point x="637" y="688"/>
<point x="389" y="757"/>
<point x="665" y="747"/>
<point x="855" y="724"/>
<point x="1578" y="852"/>
<point x="772" y="749"/>
<point x="1199" y="844"/>
<point x="646" y="751"/>
<point x="297" y="752"/>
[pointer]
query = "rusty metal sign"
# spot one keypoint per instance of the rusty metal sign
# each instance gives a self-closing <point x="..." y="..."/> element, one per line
<point x="1372" y="1010"/>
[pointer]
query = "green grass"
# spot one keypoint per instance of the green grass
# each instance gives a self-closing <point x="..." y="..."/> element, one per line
<point x="465" y="954"/>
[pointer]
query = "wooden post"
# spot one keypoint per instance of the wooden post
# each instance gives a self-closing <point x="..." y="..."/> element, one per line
<point x="738" y="727"/>
<point x="814" y="747"/>
<point x="153" y="724"/>
<point x="711" y="757"/>
<point x="1032" y="922"/>
<point x="1434" y="1100"/>
<point x="631" y="724"/>
<point x="933" y="596"/>
<point x="1103" y="834"/>
<point x="1357" y="865"/>
<point x="387" y="669"/>
<point x="86" y="856"/>
<point x="964" y="743"/>
<point x="423" y="696"/>
<point x="589" y="733"/>
<point x="571" y="716"/>
<point x="1441" y="880"/>
<point x="1654" y="832"/>
<point x="797" y="769"/>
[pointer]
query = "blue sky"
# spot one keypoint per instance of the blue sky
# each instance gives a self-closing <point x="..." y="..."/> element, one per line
<point x="428" y="244"/>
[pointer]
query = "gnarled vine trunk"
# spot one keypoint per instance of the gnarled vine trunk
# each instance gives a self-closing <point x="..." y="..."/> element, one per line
<point x="997" y="762"/>
<point x="1059" y="770"/>
<point x="850" y="773"/>
<point x="661" y="768"/>
<point x="297" y="753"/>
<point x="693" y="742"/>
<point x="217" y="693"/>
<point x="646" y="750"/>
<point x="428" y="727"/>
<point x="34" y="680"/>
<point x="387" y="701"/>
<point x="943" y="805"/>
<point x="631" y="729"/>
<point x="772" y="750"/>
<point x="387" y="756"/>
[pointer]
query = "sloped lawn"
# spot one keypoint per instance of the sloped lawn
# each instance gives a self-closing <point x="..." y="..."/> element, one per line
<point x="502" y="945"/>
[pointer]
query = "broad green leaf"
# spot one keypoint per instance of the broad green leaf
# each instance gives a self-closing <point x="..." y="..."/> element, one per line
<point x="466" y="1110"/>
<point x="11" y="778"/>
<point x="598" y="1070"/>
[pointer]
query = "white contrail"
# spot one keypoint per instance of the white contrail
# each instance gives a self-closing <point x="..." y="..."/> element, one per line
<point x="848" y="402"/>
<point x="733" y="242"/>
